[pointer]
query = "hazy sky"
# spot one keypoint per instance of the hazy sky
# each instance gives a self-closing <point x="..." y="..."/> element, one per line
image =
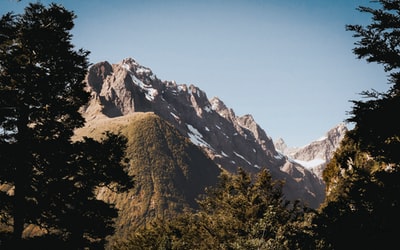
<point x="288" y="63"/>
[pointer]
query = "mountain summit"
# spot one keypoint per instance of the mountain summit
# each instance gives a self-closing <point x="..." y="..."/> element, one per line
<point x="317" y="154"/>
<point x="230" y="141"/>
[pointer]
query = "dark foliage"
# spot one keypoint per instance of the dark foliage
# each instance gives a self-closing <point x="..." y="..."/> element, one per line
<point x="239" y="213"/>
<point x="52" y="179"/>
<point x="376" y="129"/>
<point x="361" y="209"/>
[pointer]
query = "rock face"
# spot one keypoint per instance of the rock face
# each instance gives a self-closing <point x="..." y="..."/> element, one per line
<point x="230" y="141"/>
<point x="317" y="154"/>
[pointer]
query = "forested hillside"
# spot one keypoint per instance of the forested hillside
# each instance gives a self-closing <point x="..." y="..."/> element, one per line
<point x="169" y="171"/>
<point x="135" y="182"/>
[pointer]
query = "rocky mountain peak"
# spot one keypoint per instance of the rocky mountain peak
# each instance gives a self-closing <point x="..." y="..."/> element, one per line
<point x="217" y="104"/>
<point x="336" y="134"/>
<point x="97" y="74"/>
<point x="317" y="154"/>
<point x="229" y="140"/>
<point x="132" y="66"/>
<point x="248" y="122"/>
<point x="280" y="145"/>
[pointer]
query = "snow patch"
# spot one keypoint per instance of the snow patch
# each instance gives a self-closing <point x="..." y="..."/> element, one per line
<point x="149" y="91"/>
<point x="310" y="164"/>
<point x="143" y="70"/>
<point x="137" y="81"/>
<point x="181" y="88"/>
<point x="207" y="109"/>
<point x="175" y="116"/>
<point x="196" y="137"/>
<point x="240" y="156"/>
<point x="279" y="156"/>
<point x="214" y="106"/>
<point x="126" y="66"/>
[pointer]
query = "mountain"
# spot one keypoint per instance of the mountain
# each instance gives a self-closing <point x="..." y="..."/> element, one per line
<point x="168" y="170"/>
<point x="317" y="154"/>
<point x="230" y="141"/>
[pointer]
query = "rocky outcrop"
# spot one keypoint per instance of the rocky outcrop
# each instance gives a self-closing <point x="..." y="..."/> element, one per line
<point x="317" y="154"/>
<point x="229" y="140"/>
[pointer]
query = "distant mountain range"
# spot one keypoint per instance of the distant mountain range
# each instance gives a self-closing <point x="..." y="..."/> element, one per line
<point x="317" y="154"/>
<point x="180" y="140"/>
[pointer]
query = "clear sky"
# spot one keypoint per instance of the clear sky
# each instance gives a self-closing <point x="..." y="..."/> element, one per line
<point x="288" y="63"/>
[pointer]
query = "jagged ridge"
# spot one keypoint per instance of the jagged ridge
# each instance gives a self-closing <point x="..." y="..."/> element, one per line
<point x="229" y="140"/>
<point x="316" y="155"/>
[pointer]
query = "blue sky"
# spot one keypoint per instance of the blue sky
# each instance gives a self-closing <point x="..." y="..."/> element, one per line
<point x="287" y="63"/>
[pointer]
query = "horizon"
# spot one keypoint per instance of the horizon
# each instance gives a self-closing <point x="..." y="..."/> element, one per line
<point x="288" y="64"/>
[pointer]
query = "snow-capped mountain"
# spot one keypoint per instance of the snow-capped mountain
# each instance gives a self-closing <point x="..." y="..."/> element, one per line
<point x="317" y="154"/>
<point x="229" y="140"/>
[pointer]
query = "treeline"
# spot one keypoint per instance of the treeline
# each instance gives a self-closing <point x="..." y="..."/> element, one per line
<point x="241" y="212"/>
<point x="49" y="182"/>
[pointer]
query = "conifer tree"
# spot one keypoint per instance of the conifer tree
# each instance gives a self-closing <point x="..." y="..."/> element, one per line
<point x="376" y="129"/>
<point x="241" y="212"/>
<point x="361" y="209"/>
<point x="53" y="179"/>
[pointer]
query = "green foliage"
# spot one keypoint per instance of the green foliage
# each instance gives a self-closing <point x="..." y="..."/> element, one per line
<point x="362" y="204"/>
<point x="237" y="204"/>
<point x="361" y="209"/>
<point x="170" y="173"/>
<point x="52" y="180"/>
<point x="346" y="157"/>
<point x="164" y="160"/>
<point x="375" y="129"/>
<point x="239" y="213"/>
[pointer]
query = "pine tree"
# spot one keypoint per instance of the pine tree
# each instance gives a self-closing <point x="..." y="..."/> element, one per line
<point x="241" y="212"/>
<point x="361" y="209"/>
<point x="376" y="129"/>
<point x="41" y="90"/>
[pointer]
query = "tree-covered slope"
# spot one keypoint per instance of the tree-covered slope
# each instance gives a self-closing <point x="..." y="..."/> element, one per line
<point x="169" y="171"/>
